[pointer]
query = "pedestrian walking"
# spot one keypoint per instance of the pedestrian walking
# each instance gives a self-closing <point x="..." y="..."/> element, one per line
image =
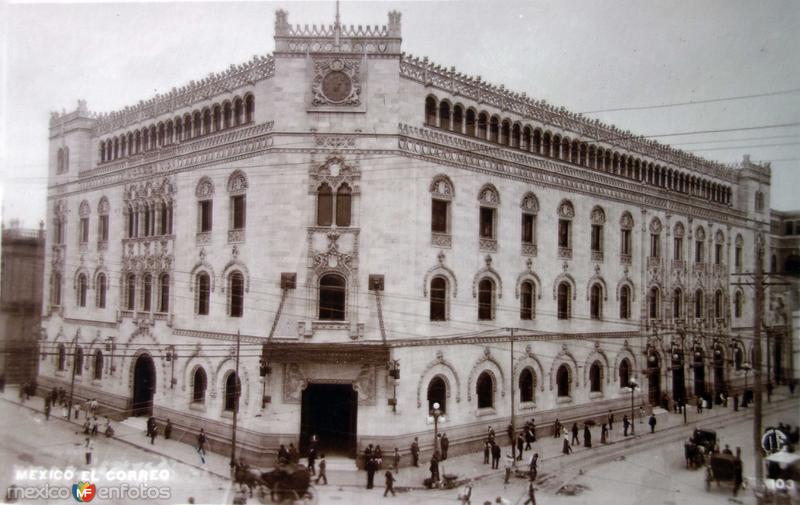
<point x="567" y="447"/>
<point x="201" y="446"/>
<point x="641" y="414"/>
<point x="509" y="466"/>
<point x="371" y="467"/>
<point x="604" y="434"/>
<point x="415" y="451"/>
<point x="434" y="468"/>
<point x="736" y="402"/>
<point x="652" y="423"/>
<point x="396" y="458"/>
<point x="533" y="467"/>
<point x="486" y="450"/>
<point x="587" y="436"/>
<point x="389" y="484"/>
<point x="153" y="434"/>
<point x="94" y="425"/>
<point x="625" y="425"/>
<point x="610" y="420"/>
<point x="496" y="453"/>
<point x="531" y="494"/>
<point x="88" y="449"/>
<point x="491" y="434"/>
<point x="378" y="455"/>
<point x="699" y="405"/>
<point x="575" y="434"/>
<point x="312" y="458"/>
<point x="313" y="442"/>
<point x="47" y="408"/>
<point x="294" y="456"/>
<point x="530" y="437"/>
<point x="168" y="430"/>
<point x="322" y="465"/>
<point x="445" y="445"/>
<point x="557" y="428"/>
<point x="465" y="494"/>
<point x="520" y="445"/>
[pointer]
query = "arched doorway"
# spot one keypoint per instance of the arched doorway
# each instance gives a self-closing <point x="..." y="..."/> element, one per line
<point x="144" y="386"/>
<point x="654" y="379"/>
<point x="699" y="374"/>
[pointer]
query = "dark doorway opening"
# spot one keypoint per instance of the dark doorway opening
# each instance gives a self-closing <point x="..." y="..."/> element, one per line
<point x="144" y="386"/>
<point x="330" y="411"/>
<point x="678" y="385"/>
<point x="699" y="380"/>
<point x="777" y="361"/>
<point x="654" y="385"/>
<point x="719" y="382"/>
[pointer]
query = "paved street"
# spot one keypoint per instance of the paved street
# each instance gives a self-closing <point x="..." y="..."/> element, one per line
<point x="652" y="465"/>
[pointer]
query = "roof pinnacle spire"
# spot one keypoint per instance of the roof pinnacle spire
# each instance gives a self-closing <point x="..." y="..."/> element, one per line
<point x="337" y="27"/>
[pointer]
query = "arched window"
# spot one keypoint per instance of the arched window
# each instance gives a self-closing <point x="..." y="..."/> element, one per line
<point x="494" y="129"/>
<point x="625" y="302"/>
<point x="485" y="300"/>
<point x="458" y="119"/>
<point x="147" y="292"/>
<point x="718" y="305"/>
<point x="199" y="383"/>
<point x="98" y="364"/>
<point x="203" y="293"/>
<point x="233" y="389"/>
<point x="438" y="308"/>
<point x="236" y="287"/>
<point x="227" y="114"/>
<point x="343" y="205"/>
<point x="698" y="304"/>
<point x="526" y="296"/>
<point x="249" y="108"/>
<point x="163" y="301"/>
<point x="441" y="195"/>
<point x="624" y="373"/>
<point x="55" y="292"/>
<point x="332" y="297"/>
<point x="62" y="357"/>
<point x="82" y="289"/>
<point x="324" y="205"/>
<point x="77" y="363"/>
<point x="430" y="111"/>
<point x="483" y="125"/>
<point x="565" y="214"/>
<point x="470" y="123"/>
<point x="596" y="302"/>
<point x="130" y="283"/>
<point x="485" y="390"/>
<point x="437" y="393"/>
<point x="444" y="115"/>
<point x="238" y="109"/>
<point x="527" y="385"/>
<point x="206" y="122"/>
<point x="562" y="381"/>
<point x="654" y="302"/>
<point x="596" y="377"/>
<point x="101" y="288"/>
<point x="677" y="304"/>
<point x="737" y="304"/>
<point x="563" y="300"/>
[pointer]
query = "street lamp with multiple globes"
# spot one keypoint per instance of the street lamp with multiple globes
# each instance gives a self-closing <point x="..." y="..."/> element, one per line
<point x="632" y="384"/>
<point x="436" y="413"/>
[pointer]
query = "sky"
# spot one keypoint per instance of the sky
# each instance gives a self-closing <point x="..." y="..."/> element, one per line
<point x="584" y="55"/>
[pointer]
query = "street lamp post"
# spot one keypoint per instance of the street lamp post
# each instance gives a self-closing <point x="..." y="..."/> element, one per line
<point x="632" y="385"/>
<point x="436" y="413"/>
<point x="172" y="356"/>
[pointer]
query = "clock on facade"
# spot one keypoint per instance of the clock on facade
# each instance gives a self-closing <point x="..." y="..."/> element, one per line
<point x="336" y="86"/>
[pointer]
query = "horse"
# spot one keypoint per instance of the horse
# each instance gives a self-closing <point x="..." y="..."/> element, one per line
<point x="246" y="476"/>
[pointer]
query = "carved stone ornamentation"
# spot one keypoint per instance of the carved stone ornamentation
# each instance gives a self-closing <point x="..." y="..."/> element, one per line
<point x="566" y="210"/>
<point x="294" y="382"/>
<point x="337" y="82"/>
<point x="365" y="385"/>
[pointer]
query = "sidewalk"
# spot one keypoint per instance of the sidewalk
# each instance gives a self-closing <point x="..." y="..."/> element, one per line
<point x="468" y="466"/>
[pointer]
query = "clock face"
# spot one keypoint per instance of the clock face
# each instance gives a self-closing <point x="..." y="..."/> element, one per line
<point x="336" y="86"/>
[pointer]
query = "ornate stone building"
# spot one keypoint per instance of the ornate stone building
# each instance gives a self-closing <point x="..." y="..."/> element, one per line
<point x="380" y="231"/>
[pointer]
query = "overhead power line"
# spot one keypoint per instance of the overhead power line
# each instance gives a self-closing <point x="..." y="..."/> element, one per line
<point x="694" y="102"/>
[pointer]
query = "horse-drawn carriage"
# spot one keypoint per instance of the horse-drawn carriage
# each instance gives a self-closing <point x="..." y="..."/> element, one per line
<point x="699" y="445"/>
<point x="285" y="484"/>
<point x="724" y="468"/>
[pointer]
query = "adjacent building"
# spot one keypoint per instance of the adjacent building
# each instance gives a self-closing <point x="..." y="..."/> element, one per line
<point x="377" y="233"/>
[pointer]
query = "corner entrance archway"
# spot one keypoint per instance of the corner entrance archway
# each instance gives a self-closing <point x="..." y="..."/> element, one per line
<point x="330" y="411"/>
<point x="699" y="380"/>
<point x="144" y="386"/>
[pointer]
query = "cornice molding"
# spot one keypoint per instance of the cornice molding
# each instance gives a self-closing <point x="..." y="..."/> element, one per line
<point x="424" y="144"/>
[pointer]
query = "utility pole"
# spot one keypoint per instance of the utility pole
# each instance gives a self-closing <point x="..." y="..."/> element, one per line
<point x="72" y="382"/>
<point x="235" y="402"/>
<point x="758" y="316"/>
<point x="513" y="401"/>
